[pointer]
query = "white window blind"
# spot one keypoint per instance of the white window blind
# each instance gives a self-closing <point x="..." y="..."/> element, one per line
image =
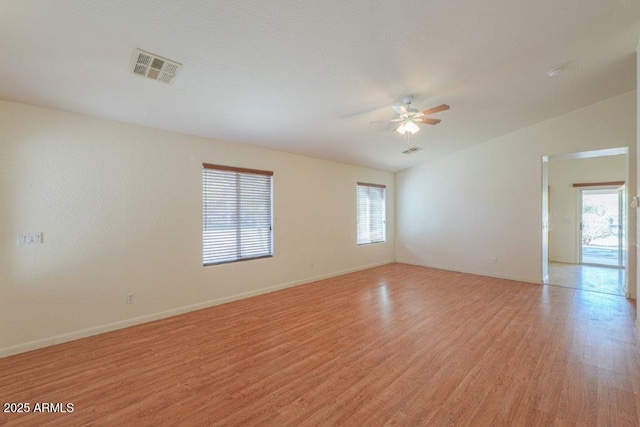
<point x="237" y="214"/>
<point x="371" y="213"/>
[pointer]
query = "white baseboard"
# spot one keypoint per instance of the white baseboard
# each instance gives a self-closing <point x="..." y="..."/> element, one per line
<point x="478" y="273"/>
<point x="83" y="333"/>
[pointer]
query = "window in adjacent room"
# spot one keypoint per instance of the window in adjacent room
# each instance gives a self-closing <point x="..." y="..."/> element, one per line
<point x="371" y="213"/>
<point x="237" y="214"/>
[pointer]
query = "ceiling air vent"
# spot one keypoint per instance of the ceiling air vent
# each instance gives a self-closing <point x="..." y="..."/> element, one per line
<point x="154" y="67"/>
<point x="412" y="150"/>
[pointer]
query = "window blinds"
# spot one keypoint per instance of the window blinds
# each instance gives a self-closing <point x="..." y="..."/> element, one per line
<point x="370" y="213"/>
<point x="236" y="214"/>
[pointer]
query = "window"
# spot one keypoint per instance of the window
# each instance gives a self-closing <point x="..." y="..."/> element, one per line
<point x="371" y="214"/>
<point x="236" y="223"/>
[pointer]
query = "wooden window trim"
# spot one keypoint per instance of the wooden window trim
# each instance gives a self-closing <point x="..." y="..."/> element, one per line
<point x="597" y="184"/>
<point x="236" y="169"/>
<point x="365" y="184"/>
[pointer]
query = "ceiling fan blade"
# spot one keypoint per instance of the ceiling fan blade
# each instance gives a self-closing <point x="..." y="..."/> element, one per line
<point x="396" y="127"/>
<point x="400" y="109"/>
<point x="386" y="121"/>
<point x="429" y="121"/>
<point x="437" y="109"/>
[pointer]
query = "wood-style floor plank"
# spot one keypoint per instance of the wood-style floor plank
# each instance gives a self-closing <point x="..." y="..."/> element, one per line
<point x="392" y="345"/>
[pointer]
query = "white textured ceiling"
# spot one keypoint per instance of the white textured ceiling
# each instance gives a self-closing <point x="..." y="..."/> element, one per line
<point x="308" y="77"/>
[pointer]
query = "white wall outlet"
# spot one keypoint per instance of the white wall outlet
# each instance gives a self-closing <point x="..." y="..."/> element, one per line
<point x="29" y="239"/>
<point x="494" y="260"/>
<point x="131" y="298"/>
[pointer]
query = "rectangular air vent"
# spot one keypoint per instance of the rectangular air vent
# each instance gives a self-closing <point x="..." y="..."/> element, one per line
<point x="412" y="150"/>
<point x="154" y="67"/>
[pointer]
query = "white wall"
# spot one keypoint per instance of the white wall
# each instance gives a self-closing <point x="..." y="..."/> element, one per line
<point x="459" y="211"/>
<point x="120" y="209"/>
<point x="563" y="218"/>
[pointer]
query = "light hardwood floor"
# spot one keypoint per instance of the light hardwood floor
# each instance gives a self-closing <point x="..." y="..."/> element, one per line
<point x="396" y="344"/>
<point x="609" y="280"/>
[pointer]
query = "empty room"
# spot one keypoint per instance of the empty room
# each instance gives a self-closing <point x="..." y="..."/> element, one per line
<point x="332" y="213"/>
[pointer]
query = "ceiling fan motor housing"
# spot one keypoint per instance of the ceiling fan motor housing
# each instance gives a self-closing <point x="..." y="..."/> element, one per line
<point x="407" y="100"/>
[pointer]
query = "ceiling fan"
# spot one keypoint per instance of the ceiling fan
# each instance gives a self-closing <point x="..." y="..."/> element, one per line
<point x="408" y="118"/>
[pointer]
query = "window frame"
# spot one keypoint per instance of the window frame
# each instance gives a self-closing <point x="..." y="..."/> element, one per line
<point x="384" y="213"/>
<point x="238" y="171"/>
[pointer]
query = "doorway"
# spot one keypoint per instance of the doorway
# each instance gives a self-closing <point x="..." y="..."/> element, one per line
<point x="584" y="221"/>
<point x="600" y="226"/>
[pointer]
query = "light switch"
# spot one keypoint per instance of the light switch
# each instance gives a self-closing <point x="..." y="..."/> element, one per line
<point x="29" y="239"/>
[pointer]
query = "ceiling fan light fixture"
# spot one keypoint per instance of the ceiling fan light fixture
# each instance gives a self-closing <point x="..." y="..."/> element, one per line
<point x="409" y="118"/>
<point x="411" y="127"/>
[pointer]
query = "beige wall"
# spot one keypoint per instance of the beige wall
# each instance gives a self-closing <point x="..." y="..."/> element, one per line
<point x="120" y="209"/>
<point x="634" y="160"/>
<point x="460" y="211"/>
<point x="563" y="218"/>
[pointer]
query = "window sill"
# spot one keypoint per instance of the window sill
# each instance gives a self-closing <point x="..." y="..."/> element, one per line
<point x="236" y="260"/>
